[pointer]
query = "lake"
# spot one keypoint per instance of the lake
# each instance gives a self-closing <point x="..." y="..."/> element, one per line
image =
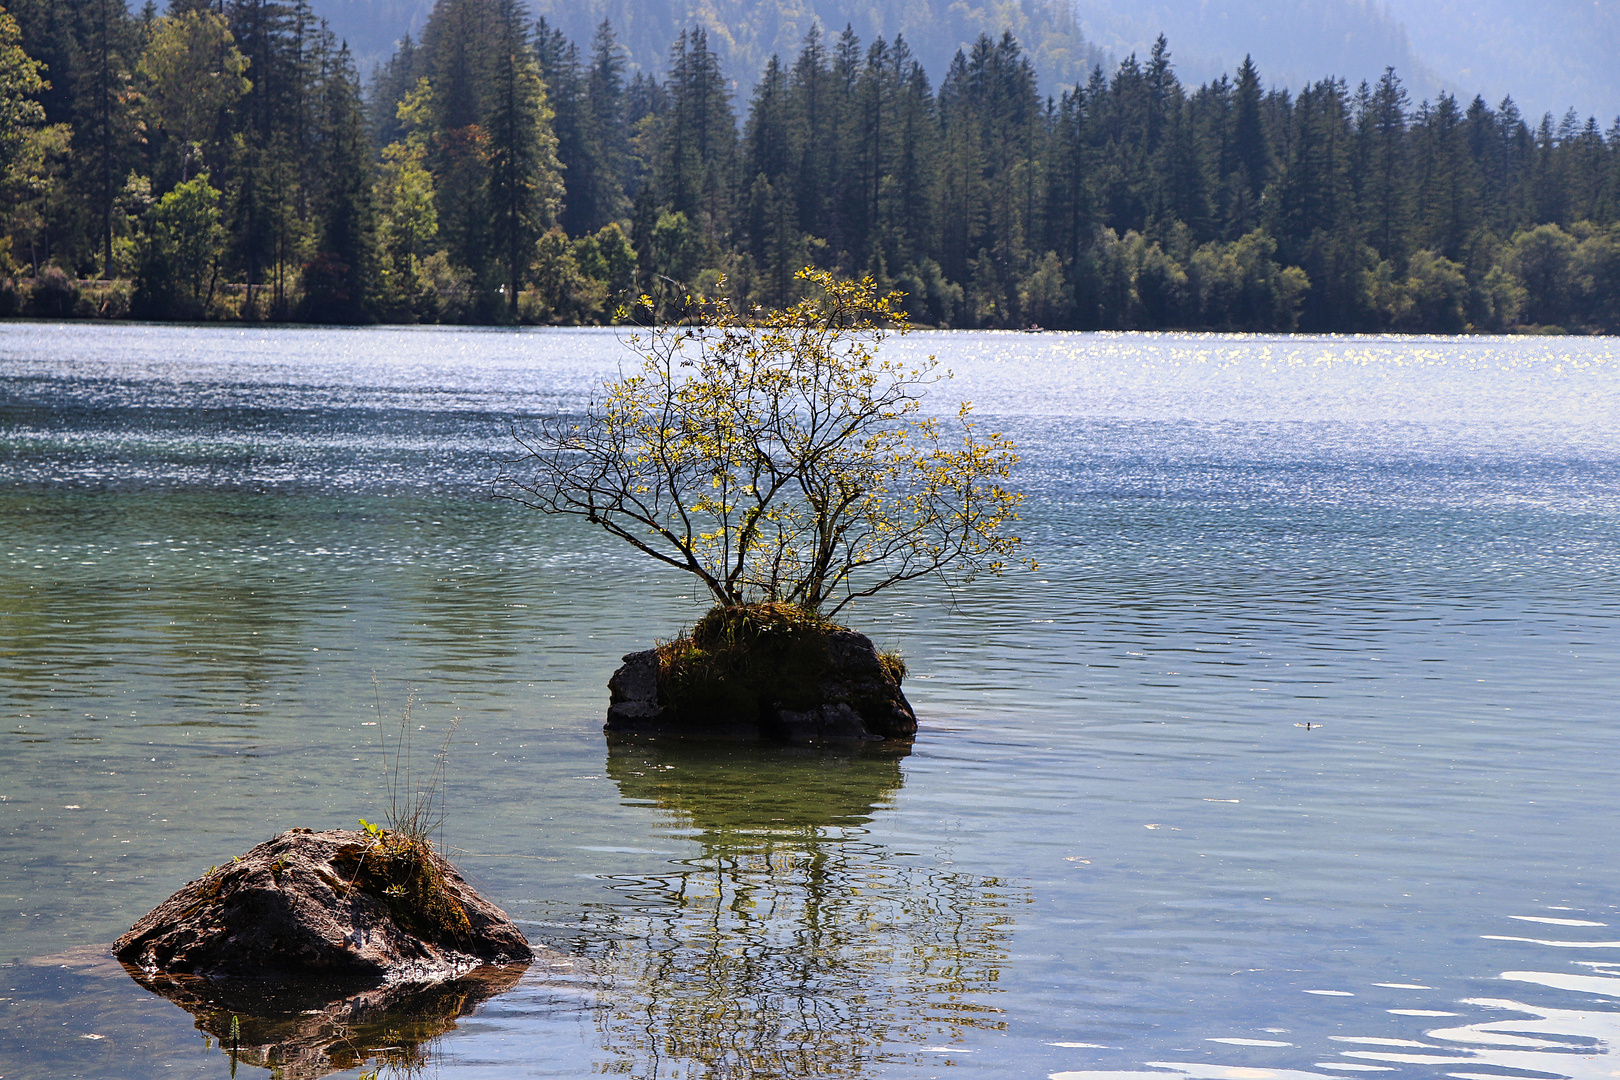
<point x="1296" y="757"/>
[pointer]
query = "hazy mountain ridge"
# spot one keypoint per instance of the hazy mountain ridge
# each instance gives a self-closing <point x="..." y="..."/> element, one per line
<point x="1552" y="57"/>
<point x="746" y="33"/>
<point x="1293" y="43"/>
<point x="373" y="28"/>
<point x="1556" y="55"/>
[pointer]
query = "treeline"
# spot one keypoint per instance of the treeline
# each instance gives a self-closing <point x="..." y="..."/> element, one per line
<point x="220" y="161"/>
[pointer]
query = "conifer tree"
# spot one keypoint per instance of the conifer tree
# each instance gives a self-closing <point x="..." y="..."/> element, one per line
<point x="524" y="183"/>
<point x="458" y="64"/>
<point x="608" y="126"/>
<point x="1447" y="188"/>
<point x="1250" y="155"/>
<point x="916" y="139"/>
<point x="696" y="150"/>
<point x="105" y="135"/>
<point x="559" y="67"/>
<point x="393" y="80"/>
<point x="340" y="280"/>
<point x="1123" y="200"/>
<point x="771" y="217"/>
<point x="814" y="111"/>
<point x="1381" y="129"/>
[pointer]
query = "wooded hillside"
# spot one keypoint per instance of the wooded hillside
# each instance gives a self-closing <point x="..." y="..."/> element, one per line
<point x="228" y="166"/>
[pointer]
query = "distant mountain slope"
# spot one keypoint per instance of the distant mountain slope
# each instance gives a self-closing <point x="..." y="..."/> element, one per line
<point x="747" y="32"/>
<point x="1293" y="42"/>
<point x="1550" y="56"/>
<point x="373" y="28"/>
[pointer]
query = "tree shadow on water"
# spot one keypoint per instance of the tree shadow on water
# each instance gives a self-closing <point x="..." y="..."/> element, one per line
<point x="793" y="944"/>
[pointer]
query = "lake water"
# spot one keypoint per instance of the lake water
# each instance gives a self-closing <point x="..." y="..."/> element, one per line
<point x="1296" y="757"/>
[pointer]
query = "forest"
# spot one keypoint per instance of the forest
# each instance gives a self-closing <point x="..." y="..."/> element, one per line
<point x="224" y="160"/>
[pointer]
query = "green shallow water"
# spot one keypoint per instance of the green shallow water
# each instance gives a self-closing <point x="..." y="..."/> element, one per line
<point x="1116" y="846"/>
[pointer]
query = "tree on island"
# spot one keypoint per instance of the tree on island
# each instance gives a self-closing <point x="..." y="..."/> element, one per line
<point x="779" y="459"/>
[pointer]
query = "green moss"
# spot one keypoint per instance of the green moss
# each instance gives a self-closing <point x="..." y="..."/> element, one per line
<point x="402" y="872"/>
<point x="738" y="661"/>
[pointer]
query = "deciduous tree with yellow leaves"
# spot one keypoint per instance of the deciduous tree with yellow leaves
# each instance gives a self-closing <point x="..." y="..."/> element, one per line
<point x="780" y="458"/>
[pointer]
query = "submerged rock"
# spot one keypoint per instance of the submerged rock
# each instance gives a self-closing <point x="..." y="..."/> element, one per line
<point x="812" y="685"/>
<point x="337" y="905"/>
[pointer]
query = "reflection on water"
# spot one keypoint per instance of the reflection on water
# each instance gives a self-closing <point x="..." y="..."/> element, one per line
<point x="792" y="945"/>
<point x="82" y="1013"/>
<point x="211" y="539"/>
<point x="301" y="1033"/>
<point x="1572" y="1035"/>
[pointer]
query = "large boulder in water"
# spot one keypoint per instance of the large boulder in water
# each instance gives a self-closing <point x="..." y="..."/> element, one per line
<point x="763" y="672"/>
<point x="334" y="905"/>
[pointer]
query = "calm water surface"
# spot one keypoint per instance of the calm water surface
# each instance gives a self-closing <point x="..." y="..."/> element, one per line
<point x="1296" y="757"/>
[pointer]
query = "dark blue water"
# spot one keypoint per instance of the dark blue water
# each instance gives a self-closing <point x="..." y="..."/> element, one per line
<point x="1295" y="757"/>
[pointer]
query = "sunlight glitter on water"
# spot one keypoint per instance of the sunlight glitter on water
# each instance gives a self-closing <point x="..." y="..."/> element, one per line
<point x="1337" y="616"/>
<point x="1555" y="1040"/>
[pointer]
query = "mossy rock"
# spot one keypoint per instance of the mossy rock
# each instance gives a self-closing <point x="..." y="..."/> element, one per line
<point x="337" y="904"/>
<point x="763" y="672"/>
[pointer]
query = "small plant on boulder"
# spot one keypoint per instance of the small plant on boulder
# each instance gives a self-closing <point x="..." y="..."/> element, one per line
<point x="381" y="902"/>
<point x="407" y="875"/>
<point x="401" y="863"/>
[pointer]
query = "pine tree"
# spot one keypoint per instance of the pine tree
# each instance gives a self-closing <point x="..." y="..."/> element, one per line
<point x="1447" y="185"/>
<point x="960" y="177"/>
<point x="267" y="175"/>
<point x="104" y="132"/>
<point x="916" y="136"/>
<point x="392" y="81"/>
<point x="1385" y="198"/>
<point x="524" y="183"/>
<point x="1070" y="166"/>
<point x="815" y="112"/>
<point x="606" y="107"/>
<point x="340" y="281"/>
<point x="1250" y="155"/>
<point x="697" y="138"/>
<point x="559" y="67"/>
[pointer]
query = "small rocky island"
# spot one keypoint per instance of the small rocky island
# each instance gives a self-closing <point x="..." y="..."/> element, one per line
<point x="763" y="672"/>
<point x="335" y="905"/>
<point x="785" y="463"/>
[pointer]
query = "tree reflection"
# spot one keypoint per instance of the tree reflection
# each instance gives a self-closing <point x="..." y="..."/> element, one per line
<point x="792" y="945"/>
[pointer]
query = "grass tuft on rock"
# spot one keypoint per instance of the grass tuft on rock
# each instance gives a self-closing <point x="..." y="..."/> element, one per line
<point x="401" y="865"/>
